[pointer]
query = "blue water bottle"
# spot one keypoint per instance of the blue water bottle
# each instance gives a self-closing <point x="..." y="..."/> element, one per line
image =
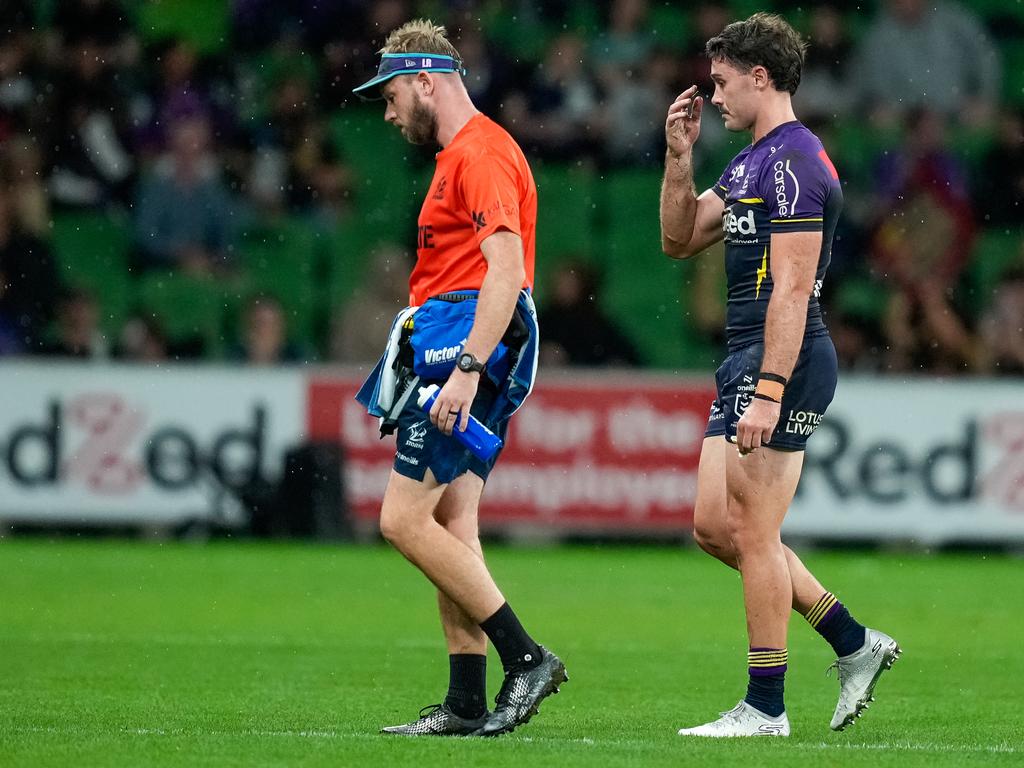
<point x="480" y="441"/>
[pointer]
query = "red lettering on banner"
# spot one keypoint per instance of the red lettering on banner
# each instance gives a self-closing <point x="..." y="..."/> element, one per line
<point x="605" y="455"/>
<point x="99" y="461"/>
<point x="1005" y="482"/>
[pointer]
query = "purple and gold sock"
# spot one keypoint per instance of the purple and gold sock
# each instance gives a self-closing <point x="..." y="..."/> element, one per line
<point x="766" y="687"/>
<point x="831" y="620"/>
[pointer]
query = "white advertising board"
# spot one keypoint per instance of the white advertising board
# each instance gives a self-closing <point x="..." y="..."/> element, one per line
<point x="111" y="444"/>
<point x="921" y="460"/>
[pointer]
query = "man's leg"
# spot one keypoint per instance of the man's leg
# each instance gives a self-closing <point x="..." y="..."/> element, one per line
<point x="467" y="643"/>
<point x="531" y="672"/>
<point x="712" y="534"/>
<point x="751" y="500"/>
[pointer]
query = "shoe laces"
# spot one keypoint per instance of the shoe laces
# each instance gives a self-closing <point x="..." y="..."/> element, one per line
<point x="428" y="710"/>
<point x="838" y="668"/>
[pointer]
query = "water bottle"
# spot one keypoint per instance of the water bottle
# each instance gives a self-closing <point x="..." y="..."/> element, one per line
<point x="480" y="441"/>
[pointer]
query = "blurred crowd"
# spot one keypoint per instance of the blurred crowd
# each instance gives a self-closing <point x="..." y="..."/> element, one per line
<point x="191" y="147"/>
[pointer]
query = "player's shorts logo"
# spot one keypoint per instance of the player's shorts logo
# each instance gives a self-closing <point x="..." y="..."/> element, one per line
<point x="803" y="422"/>
<point x="417" y="432"/>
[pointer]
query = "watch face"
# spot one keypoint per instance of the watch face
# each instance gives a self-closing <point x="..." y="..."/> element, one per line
<point x="465" y="362"/>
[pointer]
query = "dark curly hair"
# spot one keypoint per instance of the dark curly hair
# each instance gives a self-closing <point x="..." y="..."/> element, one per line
<point x="767" y="40"/>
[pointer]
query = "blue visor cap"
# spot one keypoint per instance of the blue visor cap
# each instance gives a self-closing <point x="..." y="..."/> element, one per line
<point x="392" y="64"/>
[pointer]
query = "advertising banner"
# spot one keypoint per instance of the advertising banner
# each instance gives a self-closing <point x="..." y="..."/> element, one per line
<point x="109" y="444"/>
<point x="584" y="454"/>
<point x="924" y="460"/>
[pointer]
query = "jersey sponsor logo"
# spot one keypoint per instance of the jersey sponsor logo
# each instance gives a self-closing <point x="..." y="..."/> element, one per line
<point x="417" y="432"/>
<point x="479" y="220"/>
<point x="441" y="354"/>
<point x="442" y="187"/>
<point x="780" y="172"/>
<point x="743" y="225"/>
<point x="803" y="422"/>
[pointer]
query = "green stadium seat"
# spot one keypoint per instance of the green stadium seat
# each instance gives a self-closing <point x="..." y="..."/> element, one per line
<point x="641" y="285"/>
<point x="206" y="24"/>
<point x="387" y="195"/>
<point x="285" y="260"/>
<point x="995" y="252"/>
<point x="1013" y="73"/>
<point x="187" y="308"/>
<point x="566" y="217"/>
<point x="91" y="251"/>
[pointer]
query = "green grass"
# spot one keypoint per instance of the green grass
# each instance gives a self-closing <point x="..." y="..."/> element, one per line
<point x="142" y="654"/>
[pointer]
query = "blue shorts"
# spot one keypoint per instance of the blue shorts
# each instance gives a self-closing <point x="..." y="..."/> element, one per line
<point x="807" y="395"/>
<point x="422" y="446"/>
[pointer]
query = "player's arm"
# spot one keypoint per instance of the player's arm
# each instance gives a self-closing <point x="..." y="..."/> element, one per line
<point x="704" y="216"/>
<point x="689" y="223"/>
<point x="499" y="292"/>
<point x="794" y="264"/>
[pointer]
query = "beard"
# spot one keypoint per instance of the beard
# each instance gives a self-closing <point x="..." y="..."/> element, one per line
<point x="422" y="125"/>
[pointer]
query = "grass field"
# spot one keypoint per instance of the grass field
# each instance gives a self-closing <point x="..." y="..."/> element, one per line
<point x="137" y="654"/>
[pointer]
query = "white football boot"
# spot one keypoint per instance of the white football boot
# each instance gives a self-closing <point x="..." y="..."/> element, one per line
<point x="741" y="720"/>
<point x="858" y="674"/>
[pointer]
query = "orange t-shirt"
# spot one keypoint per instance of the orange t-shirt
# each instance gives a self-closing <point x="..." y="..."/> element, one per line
<point x="482" y="184"/>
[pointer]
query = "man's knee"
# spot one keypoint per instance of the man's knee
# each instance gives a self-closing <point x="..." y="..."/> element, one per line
<point x="391" y="526"/>
<point x="712" y="539"/>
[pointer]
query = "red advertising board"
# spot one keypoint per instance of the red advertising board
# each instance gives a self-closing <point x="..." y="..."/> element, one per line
<point x="583" y="454"/>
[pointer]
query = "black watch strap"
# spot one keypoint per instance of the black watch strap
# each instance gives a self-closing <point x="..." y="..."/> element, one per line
<point x="468" y="363"/>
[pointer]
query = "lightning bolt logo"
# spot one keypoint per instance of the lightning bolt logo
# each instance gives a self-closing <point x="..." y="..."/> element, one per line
<point x="761" y="273"/>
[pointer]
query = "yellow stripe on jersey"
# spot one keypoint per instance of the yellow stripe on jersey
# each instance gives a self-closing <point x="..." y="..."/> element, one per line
<point x="761" y="273"/>
<point x="751" y="200"/>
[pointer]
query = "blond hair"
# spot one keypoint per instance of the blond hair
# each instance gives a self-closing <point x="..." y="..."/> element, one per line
<point x="420" y="36"/>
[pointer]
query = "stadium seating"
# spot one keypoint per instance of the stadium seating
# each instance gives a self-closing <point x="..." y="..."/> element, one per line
<point x="91" y="251"/>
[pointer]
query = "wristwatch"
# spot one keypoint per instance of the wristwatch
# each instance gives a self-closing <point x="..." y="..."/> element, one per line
<point x="467" y="363"/>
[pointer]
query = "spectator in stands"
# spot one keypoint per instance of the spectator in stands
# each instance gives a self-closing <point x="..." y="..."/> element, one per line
<point x="142" y="340"/>
<point x="77" y="330"/>
<point x="487" y="77"/>
<point x="825" y="91"/>
<point x="920" y="246"/>
<point x="360" y="331"/>
<point x="921" y="53"/>
<point x="265" y="334"/>
<point x="295" y="166"/>
<point x="28" y="280"/>
<point x="1002" y="323"/>
<point x="633" y="121"/>
<point x="576" y="330"/>
<point x="554" y="118"/>
<point x="627" y="43"/>
<point x="185" y="216"/>
<point x="21" y="172"/>
<point x="18" y="89"/>
<point x="91" y="162"/>
<point x="1000" y="194"/>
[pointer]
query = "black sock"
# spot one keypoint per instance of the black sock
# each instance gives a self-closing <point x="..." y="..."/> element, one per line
<point x="516" y="648"/>
<point x="832" y="621"/>
<point x="467" y="685"/>
<point x="767" y="669"/>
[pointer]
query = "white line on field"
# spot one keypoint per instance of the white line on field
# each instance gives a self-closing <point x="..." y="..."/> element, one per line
<point x="897" y="746"/>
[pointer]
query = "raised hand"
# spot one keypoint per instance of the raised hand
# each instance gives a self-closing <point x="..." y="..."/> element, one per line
<point x="682" y="126"/>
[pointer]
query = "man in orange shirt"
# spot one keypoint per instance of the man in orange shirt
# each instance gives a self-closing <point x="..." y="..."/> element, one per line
<point x="475" y="251"/>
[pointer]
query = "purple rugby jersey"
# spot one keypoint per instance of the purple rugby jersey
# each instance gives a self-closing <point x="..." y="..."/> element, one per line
<point x="785" y="182"/>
